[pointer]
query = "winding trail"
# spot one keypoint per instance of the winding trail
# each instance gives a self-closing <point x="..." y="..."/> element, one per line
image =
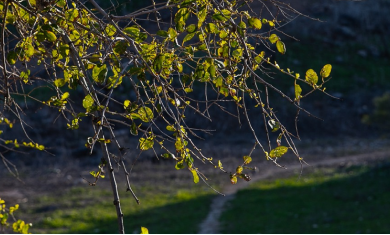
<point x="211" y="224"/>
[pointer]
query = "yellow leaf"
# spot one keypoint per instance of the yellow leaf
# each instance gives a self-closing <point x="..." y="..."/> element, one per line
<point x="325" y="71"/>
<point x="144" y="230"/>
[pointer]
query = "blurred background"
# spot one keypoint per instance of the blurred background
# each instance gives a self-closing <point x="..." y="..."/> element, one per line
<point x="344" y="189"/>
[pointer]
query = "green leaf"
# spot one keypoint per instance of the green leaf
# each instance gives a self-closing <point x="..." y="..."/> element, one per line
<point x="10" y="19"/>
<point x="162" y="33"/>
<point x="237" y="53"/>
<point x="202" y="16"/>
<point x="170" y="128"/>
<point x="158" y="63"/>
<point x="224" y="91"/>
<point x="65" y="96"/>
<point x="32" y="2"/>
<point x="145" y="144"/>
<point x="242" y="25"/>
<point x="99" y="73"/>
<point x="212" y="71"/>
<point x="311" y="77"/>
<point x="60" y="3"/>
<point x="88" y="103"/>
<point x="40" y="36"/>
<point x="120" y="47"/>
<point x="110" y="30"/>
<point x="29" y="50"/>
<point x="59" y="82"/>
<point x="188" y="37"/>
<point x="51" y="37"/>
<point x="12" y="57"/>
<point x="24" y="75"/>
<point x="179" y="165"/>
<point x="254" y="23"/>
<point x="145" y="114"/>
<point x="211" y="28"/>
<point x="281" y="47"/>
<point x="132" y="31"/>
<point x="144" y="230"/>
<point x="191" y="28"/>
<point x="133" y="129"/>
<point x="278" y="151"/>
<point x="195" y="175"/>
<point x="142" y="37"/>
<point x="179" y="67"/>
<point x="247" y="160"/>
<point x="172" y="34"/>
<point x="325" y="71"/>
<point x="179" y="145"/>
<point x="168" y="156"/>
<point x="298" y="91"/>
<point x="273" y="38"/>
<point x="274" y="125"/>
<point x="224" y="16"/>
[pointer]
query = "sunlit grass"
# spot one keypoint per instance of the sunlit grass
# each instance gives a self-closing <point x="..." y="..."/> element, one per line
<point x="91" y="210"/>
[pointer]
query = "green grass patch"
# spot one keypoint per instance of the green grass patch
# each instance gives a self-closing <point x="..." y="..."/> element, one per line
<point x="353" y="200"/>
<point x="91" y="210"/>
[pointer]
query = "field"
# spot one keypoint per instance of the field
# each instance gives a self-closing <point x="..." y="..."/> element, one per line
<point x="349" y="199"/>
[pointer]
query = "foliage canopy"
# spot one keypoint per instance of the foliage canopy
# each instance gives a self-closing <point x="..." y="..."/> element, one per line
<point x="224" y="46"/>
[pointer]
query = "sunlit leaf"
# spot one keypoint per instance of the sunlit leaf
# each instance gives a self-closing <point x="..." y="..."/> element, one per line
<point x="233" y="179"/>
<point x="223" y="16"/>
<point x="311" y="77"/>
<point x="325" y="71"/>
<point x="247" y="159"/>
<point x="188" y="37"/>
<point x="88" y="103"/>
<point x="195" y="175"/>
<point x="162" y="33"/>
<point x="172" y="34"/>
<point x="202" y="16"/>
<point x="158" y="63"/>
<point x="144" y="230"/>
<point x="298" y="91"/>
<point x="99" y="73"/>
<point x="274" y="125"/>
<point x="145" y="114"/>
<point x="59" y="82"/>
<point x="132" y="32"/>
<point x="254" y="23"/>
<point x="110" y="30"/>
<point x="281" y="47"/>
<point x="145" y="144"/>
<point x="211" y="28"/>
<point x="273" y="38"/>
<point x="191" y="28"/>
<point x="278" y="151"/>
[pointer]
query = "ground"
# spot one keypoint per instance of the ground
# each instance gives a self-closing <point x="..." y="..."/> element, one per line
<point x="44" y="182"/>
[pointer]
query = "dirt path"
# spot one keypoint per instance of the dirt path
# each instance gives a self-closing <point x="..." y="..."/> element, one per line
<point x="211" y="224"/>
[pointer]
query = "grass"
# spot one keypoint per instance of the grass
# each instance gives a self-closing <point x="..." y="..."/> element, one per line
<point x="90" y="210"/>
<point x="353" y="200"/>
